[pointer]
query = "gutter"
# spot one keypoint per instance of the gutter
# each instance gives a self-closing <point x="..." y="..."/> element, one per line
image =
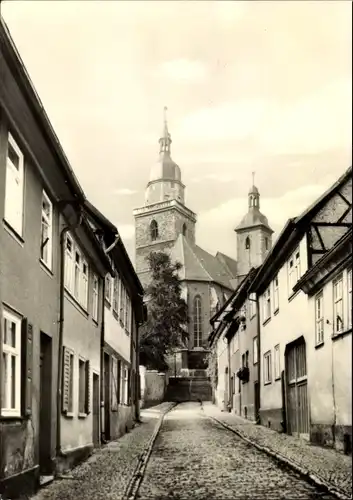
<point x="258" y="355"/>
<point x="66" y="229"/>
<point x="102" y="406"/>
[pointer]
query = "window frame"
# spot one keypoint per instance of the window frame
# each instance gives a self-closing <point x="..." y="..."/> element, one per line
<point x="82" y="391"/>
<point x="11" y="352"/>
<point x="10" y="213"/>
<point x="95" y="296"/>
<point x="255" y="346"/>
<point x="154" y="232"/>
<point x="48" y="220"/>
<point x="84" y="284"/>
<point x="114" y="384"/>
<point x="338" y="279"/>
<point x="349" y="298"/>
<point x="108" y="288"/>
<point x="267" y="304"/>
<point x="197" y="321"/>
<point x="116" y="294"/>
<point x="296" y="270"/>
<point x="275" y="294"/>
<point x="319" y="321"/>
<point x="277" y="362"/>
<point x="268" y="364"/>
<point x="74" y="269"/>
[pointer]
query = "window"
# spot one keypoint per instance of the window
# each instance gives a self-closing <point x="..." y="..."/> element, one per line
<point x="252" y="305"/>
<point x="254" y="349"/>
<point x="267" y="368"/>
<point x="108" y="288"/>
<point x="267" y="304"/>
<point x="114" y="389"/>
<point x="337" y="305"/>
<point x="123" y="304"/>
<point x="126" y="386"/>
<point x="319" y="322"/>
<point x="293" y="270"/>
<point x="154" y="230"/>
<point x="116" y="294"/>
<point x="128" y="314"/>
<point x="11" y="365"/>
<point x="275" y="294"/>
<point x="14" y="186"/>
<point x="184" y="229"/>
<point x="349" y="301"/>
<point x="95" y="297"/>
<point x="277" y="363"/>
<point x="46" y="244"/>
<point x="247" y="243"/>
<point x="76" y="272"/>
<point x="82" y="396"/>
<point x="197" y="313"/>
<point x="67" y="381"/>
<point x="266" y="244"/>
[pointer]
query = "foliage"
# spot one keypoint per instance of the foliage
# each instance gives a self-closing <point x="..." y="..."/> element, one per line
<point x="167" y="314"/>
<point x="212" y="369"/>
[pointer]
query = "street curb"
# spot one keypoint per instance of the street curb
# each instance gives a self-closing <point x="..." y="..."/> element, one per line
<point x="333" y="490"/>
<point x="138" y="474"/>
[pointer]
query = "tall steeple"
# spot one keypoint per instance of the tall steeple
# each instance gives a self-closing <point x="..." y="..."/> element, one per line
<point x="166" y="140"/>
<point x="254" y="195"/>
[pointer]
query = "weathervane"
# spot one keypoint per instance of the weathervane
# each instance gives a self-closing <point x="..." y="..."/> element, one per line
<point x="253" y="178"/>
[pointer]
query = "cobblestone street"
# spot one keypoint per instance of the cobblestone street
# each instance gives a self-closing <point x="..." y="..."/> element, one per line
<point x="193" y="457"/>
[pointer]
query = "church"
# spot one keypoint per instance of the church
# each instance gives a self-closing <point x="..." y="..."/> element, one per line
<point x="166" y="224"/>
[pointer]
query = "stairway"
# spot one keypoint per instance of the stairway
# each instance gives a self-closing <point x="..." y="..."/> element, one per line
<point x="182" y="389"/>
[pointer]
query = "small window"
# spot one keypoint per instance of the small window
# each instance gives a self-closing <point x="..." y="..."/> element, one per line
<point x="293" y="270"/>
<point x="14" y="186"/>
<point x="266" y="243"/>
<point x="275" y="294"/>
<point x="197" y="316"/>
<point x="95" y="294"/>
<point x="247" y="243"/>
<point x="83" y="375"/>
<point x="184" y="229"/>
<point x="122" y="304"/>
<point x="84" y="285"/>
<point x="46" y="244"/>
<point x="267" y="304"/>
<point x="267" y="368"/>
<point x="338" y="324"/>
<point x="154" y="230"/>
<point x="349" y="286"/>
<point x="116" y="294"/>
<point x="114" y="389"/>
<point x="277" y="363"/>
<point x="255" y="353"/>
<point x="319" y="323"/>
<point x="108" y="288"/>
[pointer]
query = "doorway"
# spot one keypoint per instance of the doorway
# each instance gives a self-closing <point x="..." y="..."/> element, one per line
<point x="297" y="389"/>
<point x="45" y="416"/>
<point x="95" y="410"/>
<point x="257" y="401"/>
<point x="106" y="397"/>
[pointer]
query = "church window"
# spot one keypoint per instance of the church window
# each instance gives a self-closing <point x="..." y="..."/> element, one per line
<point x="251" y="201"/>
<point x="197" y="322"/>
<point x="184" y="229"/>
<point x="247" y="243"/>
<point x="154" y="230"/>
<point x="266" y="243"/>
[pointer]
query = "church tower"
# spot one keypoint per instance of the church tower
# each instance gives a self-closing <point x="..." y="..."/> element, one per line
<point x="164" y="216"/>
<point x="254" y="235"/>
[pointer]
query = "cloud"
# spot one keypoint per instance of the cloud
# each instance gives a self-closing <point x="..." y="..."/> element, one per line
<point x="126" y="231"/>
<point x="214" y="177"/>
<point x="125" y="191"/>
<point x="182" y="70"/>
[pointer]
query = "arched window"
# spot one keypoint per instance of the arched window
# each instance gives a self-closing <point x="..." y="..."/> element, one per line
<point x="184" y="229"/>
<point x="197" y="313"/>
<point x="251" y="201"/>
<point x="154" y="230"/>
<point x="254" y="201"/>
<point x="266" y="243"/>
<point x="247" y="243"/>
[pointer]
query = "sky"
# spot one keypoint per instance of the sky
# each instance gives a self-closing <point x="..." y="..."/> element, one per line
<point x="249" y="86"/>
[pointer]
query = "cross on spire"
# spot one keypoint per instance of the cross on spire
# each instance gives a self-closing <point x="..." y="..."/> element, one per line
<point x="165" y="140"/>
<point x="253" y="178"/>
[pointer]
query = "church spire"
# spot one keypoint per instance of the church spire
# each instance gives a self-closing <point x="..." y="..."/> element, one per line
<point x="254" y="195"/>
<point x="165" y="141"/>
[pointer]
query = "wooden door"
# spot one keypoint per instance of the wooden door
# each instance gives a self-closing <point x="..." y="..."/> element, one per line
<point x="45" y="419"/>
<point x="95" y="410"/>
<point x="297" y="390"/>
<point x="106" y="397"/>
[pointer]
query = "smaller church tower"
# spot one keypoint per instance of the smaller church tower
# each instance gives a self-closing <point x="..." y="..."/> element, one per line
<point x="254" y="235"/>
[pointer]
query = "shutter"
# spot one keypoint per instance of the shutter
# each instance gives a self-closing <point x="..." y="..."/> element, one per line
<point x="129" y="386"/>
<point x="119" y="382"/>
<point x="88" y="388"/>
<point x="66" y="380"/>
<point x="27" y="367"/>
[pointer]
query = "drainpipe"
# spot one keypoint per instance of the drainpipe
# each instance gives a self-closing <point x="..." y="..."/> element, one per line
<point x="258" y="355"/>
<point x="65" y="230"/>
<point x="230" y="395"/>
<point x="102" y="395"/>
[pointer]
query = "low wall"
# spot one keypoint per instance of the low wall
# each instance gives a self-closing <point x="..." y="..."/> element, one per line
<point x="153" y="387"/>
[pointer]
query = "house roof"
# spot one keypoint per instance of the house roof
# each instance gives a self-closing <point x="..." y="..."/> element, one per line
<point x="199" y="265"/>
<point x="291" y="234"/>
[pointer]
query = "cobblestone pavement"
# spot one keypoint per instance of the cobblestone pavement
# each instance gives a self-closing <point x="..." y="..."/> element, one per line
<point x="195" y="458"/>
<point x="329" y="466"/>
<point x="105" y="475"/>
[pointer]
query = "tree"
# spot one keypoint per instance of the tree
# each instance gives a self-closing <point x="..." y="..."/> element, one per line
<point x="167" y="314"/>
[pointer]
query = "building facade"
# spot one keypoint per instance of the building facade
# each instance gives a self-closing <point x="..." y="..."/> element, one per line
<point x="166" y="224"/>
<point x="289" y="353"/>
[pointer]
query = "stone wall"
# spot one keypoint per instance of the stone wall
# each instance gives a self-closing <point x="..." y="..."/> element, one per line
<point x="153" y="387"/>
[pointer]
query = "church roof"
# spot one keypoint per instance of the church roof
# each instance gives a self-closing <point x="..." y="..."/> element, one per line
<point x="199" y="265"/>
<point x="165" y="169"/>
<point x="230" y="263"/>
<point x="253" y="218"/>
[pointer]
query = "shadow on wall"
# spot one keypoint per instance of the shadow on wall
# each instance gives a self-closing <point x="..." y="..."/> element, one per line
<point x="153" y="387"/>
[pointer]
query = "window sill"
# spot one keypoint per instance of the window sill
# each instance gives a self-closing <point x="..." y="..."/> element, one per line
<point x="116" y="315"/>
<point x="107" y="303"/>
<point x="45" y="268"/>
<point x="69" y="414"/>
<point x="13" y="233"/>
<point x="277" y="379"/>
<point x="82" y="415"/>
<point x="13" y="418"/>
<point x="76" y="303"/>
<point x="338" y="335"/>
<point x="293" y="295"/>
<point x="95" y="322"/>
<point x="276" y="311"/>
<point x="267" y="383"/>
<point x="320" y="344"/>
<point x="266" y="321"/>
